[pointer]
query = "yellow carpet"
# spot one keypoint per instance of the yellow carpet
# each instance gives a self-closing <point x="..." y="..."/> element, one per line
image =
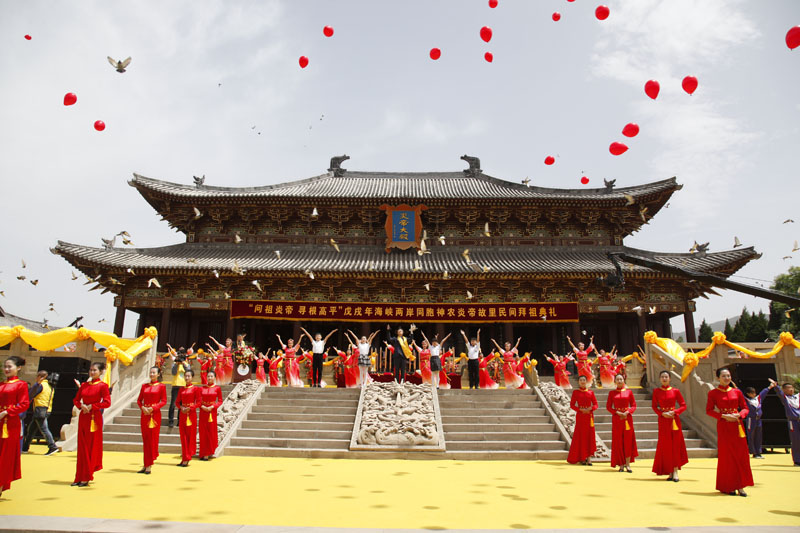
<point x="401" y="494"/>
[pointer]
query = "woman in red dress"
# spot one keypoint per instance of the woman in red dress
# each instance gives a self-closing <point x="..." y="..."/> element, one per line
<point x="424" y="360"/>
<point x="210" y="400"/>
<point x="671" y="448"/>
<point x="291" y="368"/>
<point x="261" y="375"/>
<point x="13" y="402"/>
<point x="152" y="397"/>
<point x="206" y="363"/>
<point x="350" y="362"/>
<point x="606" y="367"/>
<point x="522" y="364"/>
<point x="188" y="402"/>
<point x="584" y="403"/>
<point x="485" y="381"/>
<point x="511" y="379"/>
<point x="729" y="407"/>
<point x="226" y="355"/>
<point x="621" y="404"/>
<point x="92" y="397"/>
<point x="582" y="355"/>
<point x="560" y="369"/>
<point x="444" y="381"/>
<point x="274" y="365"/>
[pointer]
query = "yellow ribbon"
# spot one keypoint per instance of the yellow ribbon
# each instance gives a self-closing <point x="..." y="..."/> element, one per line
<point x="404" y="346"/>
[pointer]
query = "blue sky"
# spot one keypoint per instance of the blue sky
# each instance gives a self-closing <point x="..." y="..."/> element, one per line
<point x="204" y="73"/>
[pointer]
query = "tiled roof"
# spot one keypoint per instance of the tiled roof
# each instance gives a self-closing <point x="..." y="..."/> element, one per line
<point x="396" y="186"/>
<point x="360" y="259"/>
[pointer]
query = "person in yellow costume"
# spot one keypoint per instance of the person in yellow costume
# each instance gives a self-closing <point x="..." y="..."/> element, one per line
<point x="402" y="352"/>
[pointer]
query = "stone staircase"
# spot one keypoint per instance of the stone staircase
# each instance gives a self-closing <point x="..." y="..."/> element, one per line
<point x="124" y="433"/>
<point x="645" y="424"/>
<point x="504" y="424"/>
<point x="295" y="422"/>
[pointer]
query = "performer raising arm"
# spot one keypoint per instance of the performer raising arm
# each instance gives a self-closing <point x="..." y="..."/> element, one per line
<point x="401" y="355"/>
<point x="292" y="369"/>
<point x="727" y="405"/>
<point x="582" y="354"/>
<point x="791" y="404"/>
<point x="473" y="364"/>
<point x="364" y="349"/>
<point x="436" y="358"/>
<point x="511" y="379"/>
<point x="560" y="369"/>
<point x="318" y="353"/>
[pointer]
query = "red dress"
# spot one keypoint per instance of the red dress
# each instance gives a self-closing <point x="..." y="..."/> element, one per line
<point x="260" y="374"/>
<point x="220" y="368"/>
<point x="521" y="372"/>
<point x="584" y="365"/>
<point x="227" y="359"/>
<point x="209" y="396"/>
<point x="188" y="397"/>
<point x="583" y="440"/>
<point x="205" y="365"/>
<point x="151" y="395"/>
<point x="13" y="400"/>
<point x="671" y="448"/>
<point x="561" y="373"/>
<point x="733" y="457"/>
<point x="425" y="365"/>
<point x="444" y="381"/>
<point x="511" y="379"/>
<point x="90" y="428"/>
<point x="484" y="380"/>
<point x="606" y="371"/>
<point x="274" y="378"/>
<point x="292" y="368"/>
<point x="351" y="371"/>
<point x="623" y="438"/>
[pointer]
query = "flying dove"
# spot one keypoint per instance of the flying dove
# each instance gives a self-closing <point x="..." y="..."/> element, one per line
<point x="788" y="221"/>
<point x="427" y="286"/>
<point x="736" y="242"/>
<point x="197" y="213"/>
<point x="199" y="181"/>
<point x="544" y="318"/>
<point x="153" y="281"/>
<point x="412" y="328"/>
<point x="127" y="242"/>
<point x="130" y="271"/>
<point x="21" y="278"/>
<point x="24" y="264"/>
<point x="643" y="214"/>
<point x="652" y="310"/>
<point x="124" y="233"/>
<point x="609" y="184"/>
<point x="441" y="240"/>
<point x="74" y="276"/>
<point x="101" y="320"/>
<point x="371" y="266"/>
<point x="34" y="282"/>
<point x="795" y="247"/>
<point x="236" y="269"/>
<point x="486" y="231"/>
<point x="314" y="213"/>
<point x="278" y="253"/>
<point x="3" y="294"/>
<point x="788" y="312"/>
<point x="465" y="255"/>
<point x="629" y="200"/>
<point x="417" y="265"/>
<point x="216" y="273"/>
<point x="227" y="296"/>
<point x="257" y="285"/>
<point x="638" y="309"/>
<point x="109" y="242"/>
<point x="526" y="181"/>
<point x="785" y="257"/>
<point x="486" y="268"/>
<point x="308" y="273"/>
<point x="583" y="332"/>
<point x="423" y="248"/>
<point x="114" y="281"/>
<point x="120" y="66"/>
<point x="191" y="260"/>
<point x="469" y="295"/>
<point x="236" y="238"/>
<point x="445" y="275"/>
<point x="335" y="245"/>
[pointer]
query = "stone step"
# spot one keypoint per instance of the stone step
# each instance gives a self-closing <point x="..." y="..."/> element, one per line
<point x="331" y="444"/>
<point x="606" y="435"/>
<point x="306" y="402"/>
<point x="647" y="444"/>
<point x="302" y="409"/>
<point x="507" y="455"/>
<point x="507" y="419"/>
<point x="471" y="402"/>
<point x="310" y="392"/>
<point x="163" y="448"/>
<point x="478" y="411"/>
<point x="506" y="445"/>
<point x="294" y="434"/>
<point x="499" y="428"/>
<point x="476" y="436"/>
<point x="164" y="438"/>
<point x="485" y="392"/>
<point x="293" y="425"/>
<point x="302" y="417"/>
<point x="693" y="453"/>
<point x="644" y="417"/>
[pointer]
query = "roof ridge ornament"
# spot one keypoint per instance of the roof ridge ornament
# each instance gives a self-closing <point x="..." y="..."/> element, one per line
<point x="474" y="165"/>
<point x="336" y="165"/>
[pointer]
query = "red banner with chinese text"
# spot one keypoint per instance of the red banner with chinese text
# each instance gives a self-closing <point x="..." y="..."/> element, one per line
<point x="406" y="312"/>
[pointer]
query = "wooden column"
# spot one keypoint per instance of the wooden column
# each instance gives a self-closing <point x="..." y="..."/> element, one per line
<point x="119" y="319"/>
<point x="440" y="331"/>
<point x="296" y="331"/>
<point x="508" y="333"/>
<point x="688" y="321"/>
<point x="230" y="330"/>
<point x="163" y="331"/>
<point x="576" y="333"/>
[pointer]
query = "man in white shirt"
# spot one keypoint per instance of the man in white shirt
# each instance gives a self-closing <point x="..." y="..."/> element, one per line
<point x="473" y="351"/>
<point x="318" y="354"/>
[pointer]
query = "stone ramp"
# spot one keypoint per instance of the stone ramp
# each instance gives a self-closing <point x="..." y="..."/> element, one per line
<point x="645" y="424"/>
<point x="124" y="433"/>
<point x="498" y="424"/>
<point x="298" y="422"/>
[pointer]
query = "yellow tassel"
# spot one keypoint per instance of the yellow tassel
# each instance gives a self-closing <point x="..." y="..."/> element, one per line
<point x="627" y="426"/>
<point x="741" y="431"/>
<point x="5" y="429"/>
<point x="188" y="421"/>
<point x="92" y="427"/>
<point x="591" y="422"/>
<point x="152" y="423"/>
<point x="674" y="425"/>
<point x="210" y="417"/>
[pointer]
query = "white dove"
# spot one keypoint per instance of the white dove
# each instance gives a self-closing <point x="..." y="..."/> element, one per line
<point x="197" y="213"/>
<point x="153" y="281"/>
<point x="120" y="66"/>
<point x="257" y="285"/>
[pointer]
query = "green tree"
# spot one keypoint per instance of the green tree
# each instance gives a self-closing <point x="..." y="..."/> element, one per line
<point x="758" y="331"/>
<point x="705" y="332"/>
<point x="788" y="283"/>
<point x="728" y="331"/>
<point x="742" y="327"/>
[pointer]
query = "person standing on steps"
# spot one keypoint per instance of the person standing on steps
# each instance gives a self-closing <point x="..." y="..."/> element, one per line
<point x="582" y="355"/>
<point x="188" y="401"/>
<point x="364" y="353"/>
<point x="179" y="367"/>
<point x="401" y="354"/>
<point x="473" y="363"/>
<point x="317" y="354"/>
<point x="621" y="404"/>
<point x="152" y="397"/>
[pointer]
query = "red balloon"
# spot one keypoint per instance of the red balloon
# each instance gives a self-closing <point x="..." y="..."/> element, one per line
<point x="689" y="84"/>
<point x="493" y="3"/>
<point x="793" y="38"/>
<point x="585" y="180"/>
<point x="303" y="61"/>
<point x="630" y="130"/>
<point x="70" y="98"/>
<point x="549" y="160"/>
<point x="486" y="33"/>
<point x="328" y="31"/>
<point x="651" y="88"/>
<point x="488" y="57"/>
<point x="28" y="37"/>
<point x="570" y="0"/>
<point x="556" y="16"/>
<point x="435" y="53"/>
<point x="602" y="12"/>
<point x="99" y="125"/>
<point x="617" y="148"/>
